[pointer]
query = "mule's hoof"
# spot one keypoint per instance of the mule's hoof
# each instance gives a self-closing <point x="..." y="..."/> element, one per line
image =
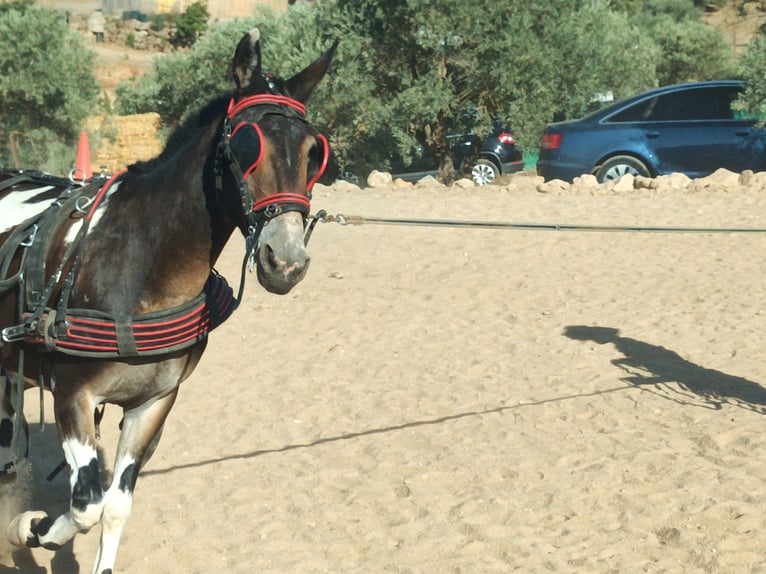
<point x="20" y="529"/>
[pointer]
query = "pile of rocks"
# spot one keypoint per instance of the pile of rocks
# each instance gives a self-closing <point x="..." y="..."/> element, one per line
<point x="526" y="181"/>
<point x="128" y="32"/>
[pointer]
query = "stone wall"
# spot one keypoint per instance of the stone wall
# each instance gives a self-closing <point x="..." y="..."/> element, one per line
<point x="116" y="142"/>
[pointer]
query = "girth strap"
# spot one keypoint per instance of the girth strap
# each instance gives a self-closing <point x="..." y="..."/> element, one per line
<point x="96" y="334"/>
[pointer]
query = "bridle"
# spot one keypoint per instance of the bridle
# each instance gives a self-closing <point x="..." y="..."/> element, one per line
<point x="241" y="149"/>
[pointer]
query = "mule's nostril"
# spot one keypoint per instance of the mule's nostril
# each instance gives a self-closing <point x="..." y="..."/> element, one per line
<point x="272" y="258"/>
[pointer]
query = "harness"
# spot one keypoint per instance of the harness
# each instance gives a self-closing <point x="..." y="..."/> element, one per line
<point x="44" y="313"/>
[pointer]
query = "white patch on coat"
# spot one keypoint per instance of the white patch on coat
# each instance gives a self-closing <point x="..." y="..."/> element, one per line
<point x="72" y="232"/>
<point x="77" y="454"/>
<point x="103" y="206"/>
<point x="14" y="207"/>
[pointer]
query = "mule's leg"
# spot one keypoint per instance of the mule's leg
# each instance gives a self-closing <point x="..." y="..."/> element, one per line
<point x="7" y="462"/>
<point x="141" y="428"/>
<point x="13" y="436"/>
<point x="76" y="426"/>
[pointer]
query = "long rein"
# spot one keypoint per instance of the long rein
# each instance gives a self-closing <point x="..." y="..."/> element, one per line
<point x="344" y="220"/>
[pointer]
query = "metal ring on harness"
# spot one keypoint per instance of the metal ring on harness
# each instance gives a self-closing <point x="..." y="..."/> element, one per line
<point x="73" y="172"/>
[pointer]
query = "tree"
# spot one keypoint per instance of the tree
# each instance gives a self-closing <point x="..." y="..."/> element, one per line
<point x="578" y="57"/>
<point x="410" y="72"/>
<point x="752" y="68"/>
<point x="180" y="83"/>
<point x="437" y="61"/>
<point x="47" y="87"/>
<point x="191" y="24"/>
<point x="689" y="49"/>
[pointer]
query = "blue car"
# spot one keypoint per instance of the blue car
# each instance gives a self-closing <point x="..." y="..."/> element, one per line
<point x="685" y="128"/>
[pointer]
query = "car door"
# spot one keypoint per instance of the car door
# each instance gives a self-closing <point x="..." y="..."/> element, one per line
<point x="692" y="131"/>
<point x="749" y="144"/>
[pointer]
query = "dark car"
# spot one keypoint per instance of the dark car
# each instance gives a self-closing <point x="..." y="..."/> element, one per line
<point x="484" y="160"/>
<point x="686" y="128"/>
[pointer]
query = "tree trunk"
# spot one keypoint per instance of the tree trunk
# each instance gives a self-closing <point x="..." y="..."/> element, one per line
<point x="14" y="150"/>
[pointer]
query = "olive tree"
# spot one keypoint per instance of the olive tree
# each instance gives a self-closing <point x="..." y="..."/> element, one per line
<point x="410" y="72"/>
<point x="689" y="49"/>
<point x="752" y="69"/>
<point x="47" y="87"/>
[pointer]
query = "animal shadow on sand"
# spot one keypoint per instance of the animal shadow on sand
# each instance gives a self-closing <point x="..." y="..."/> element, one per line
<point x="665" y="373"/>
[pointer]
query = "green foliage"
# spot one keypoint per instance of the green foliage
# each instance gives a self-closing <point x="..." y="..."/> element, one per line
<point x="692" y="52"/>
<point x="158" y="22"/>
<point x="689" y="49"/>
<point x="589" y="52"/>
<point x="675" y="10"/>
<point x="410" y="72"/>
<point x="752" y="68"/>
<point x="192" y="23"/>
<point x="47" y="88"/>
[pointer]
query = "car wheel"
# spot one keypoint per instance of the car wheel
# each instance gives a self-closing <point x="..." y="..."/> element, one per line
<point x="619" y="165"/>
<point x="484" y="172"/>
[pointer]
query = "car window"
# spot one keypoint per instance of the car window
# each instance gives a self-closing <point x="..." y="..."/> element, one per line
<point x="696" y="104"/>
<point x="634" y="113"/>
<point x="713" y="103"/>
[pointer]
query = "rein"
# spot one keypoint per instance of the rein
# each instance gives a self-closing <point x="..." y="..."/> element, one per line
<point x="360" y="220"/>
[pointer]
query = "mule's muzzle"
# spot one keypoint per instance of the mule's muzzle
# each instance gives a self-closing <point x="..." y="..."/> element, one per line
<point x="282" y="259"/>
<point x="278" y="275"/>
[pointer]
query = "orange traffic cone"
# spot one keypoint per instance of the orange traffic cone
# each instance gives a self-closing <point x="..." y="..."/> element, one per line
<point x="82" y="168"/>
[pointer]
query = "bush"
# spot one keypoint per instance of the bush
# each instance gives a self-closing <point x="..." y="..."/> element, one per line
<point x="46" y="93"/>
<point x="191" y="24"/>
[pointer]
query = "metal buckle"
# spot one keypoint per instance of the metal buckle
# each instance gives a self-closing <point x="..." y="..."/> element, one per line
<point x="31" y="239"/>
<point x="272" y="210"/>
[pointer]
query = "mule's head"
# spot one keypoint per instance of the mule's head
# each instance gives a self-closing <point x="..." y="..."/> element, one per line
<point x="277" y="157"/>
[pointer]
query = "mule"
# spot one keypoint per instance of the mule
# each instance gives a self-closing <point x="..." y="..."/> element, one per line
<point x="108" y="288"/>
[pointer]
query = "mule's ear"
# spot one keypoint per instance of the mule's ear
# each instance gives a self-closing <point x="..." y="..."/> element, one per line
<point x="301" y="85"/>
<point x="246" y="66"/>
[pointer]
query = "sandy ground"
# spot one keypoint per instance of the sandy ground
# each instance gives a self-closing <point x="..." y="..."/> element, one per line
<point x="434" y="401"/>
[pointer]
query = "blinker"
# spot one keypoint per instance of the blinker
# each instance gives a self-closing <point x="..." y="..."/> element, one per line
<point x="245" y="143"/>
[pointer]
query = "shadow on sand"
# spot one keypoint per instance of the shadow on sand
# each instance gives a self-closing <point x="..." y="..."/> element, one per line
<point x="665" y="373"/>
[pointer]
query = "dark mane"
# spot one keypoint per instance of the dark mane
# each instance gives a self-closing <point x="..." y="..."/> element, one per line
<point x="184" y="133"/>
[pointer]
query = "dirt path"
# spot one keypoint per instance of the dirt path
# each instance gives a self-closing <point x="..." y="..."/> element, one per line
<point x="115" y="64"/>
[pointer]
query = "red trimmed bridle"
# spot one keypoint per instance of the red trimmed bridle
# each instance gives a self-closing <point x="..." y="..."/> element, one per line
<point x="241" y="147"/>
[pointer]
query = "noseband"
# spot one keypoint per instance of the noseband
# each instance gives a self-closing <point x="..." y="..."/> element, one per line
<point x="241" y="148"/>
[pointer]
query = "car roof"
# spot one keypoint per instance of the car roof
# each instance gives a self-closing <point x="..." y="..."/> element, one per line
<point x="611" y="108"/>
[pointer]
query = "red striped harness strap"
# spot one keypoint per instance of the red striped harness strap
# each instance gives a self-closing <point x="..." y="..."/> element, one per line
<point x="93" y="333"/>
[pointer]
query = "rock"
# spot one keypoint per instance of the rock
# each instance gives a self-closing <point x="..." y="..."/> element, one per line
<point x="585" y="181"/>
<point x="747" y="177"/>
<point x="379" y="178"/>
<point x="427" y="180"/>
<point x="641" y="182"/>
<point x="679" y="180"/>
<point x="719" y="179"/>
<point x="464" y="183"/>
<point x="400" y="183"/>
<point x="625" y="183"/>
<point x="553" y="186"/>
